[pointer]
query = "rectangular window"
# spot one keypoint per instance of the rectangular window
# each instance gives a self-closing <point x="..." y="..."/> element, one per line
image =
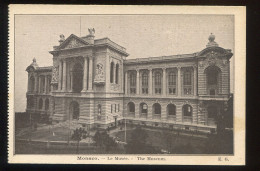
<point x="187" y="78"/>
<point x="111" y="108"/>
<point x="115" y="108"/>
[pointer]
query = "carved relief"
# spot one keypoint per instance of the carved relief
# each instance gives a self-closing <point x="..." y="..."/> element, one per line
<point x="74" y="43"/>
<point x="100" y="76"/>
<point x="115" y="87"/>
<point x="55" y="74"/>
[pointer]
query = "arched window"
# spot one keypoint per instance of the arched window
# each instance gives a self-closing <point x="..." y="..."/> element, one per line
<point x="40" y="104"/>
<point x="145" y="83"/>
<point x="32" y="84"/>
<point x="117" y="73"/>
<point x="212" y="79"/>
<point x="158" y="83"/>
<point x="111" y="72"/>
<point x="131" y="107"/>
<point x="47" y="104"/>
<point x="172" y="83"/>
<point x="171" y="109"/>
<point x="133" y="83"/>
<point x="187" y="83"/>
<point x="143" y="108"/>
<point x="187" y="110"/>
<point x="156" y="109"/>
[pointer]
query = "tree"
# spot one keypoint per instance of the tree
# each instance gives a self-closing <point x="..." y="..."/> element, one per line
<point x="78" y="135"/>
<point x="97" y="138"/>
<point x="137" y="143"/>
<point x="104" y="140"/>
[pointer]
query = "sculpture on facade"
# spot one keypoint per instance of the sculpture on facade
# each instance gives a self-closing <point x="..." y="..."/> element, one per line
<point x="91" y="31"/>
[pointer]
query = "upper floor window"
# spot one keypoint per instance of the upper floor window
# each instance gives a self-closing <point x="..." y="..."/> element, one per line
<point x="187" y="78"/>
<point x="172" y="83"/>
<point x="158" y="82"/>
<point x="31" y="83"/>
<point x="40" y="104"/>
<point x="144" y="83"/>
<point x="99" y="109"/>
<point x="111" y="72"/>
<point x="47" y="104"/>
<point x="117" y="73"/>
<point x="132" y="83"/>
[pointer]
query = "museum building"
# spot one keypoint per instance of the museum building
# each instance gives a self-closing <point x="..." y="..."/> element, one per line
<point x="92" y="83"/>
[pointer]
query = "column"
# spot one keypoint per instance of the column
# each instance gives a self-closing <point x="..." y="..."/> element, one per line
<point x="126" y="83"/>
<point x="90" y="81"/>
<point x="137" y="81"/>
<point x="39" y="89"/>
<point x="64" y="77"/>
<point x="35" y="83"/>
<point x="71" y="81"/>
<point x="150" y="81"/>
<point x="60" y="72"/>
<point x="85" y="75"/>
<point x="179" y="81"/>
<point x="164" y="82"/>
<point x="195" y="80"/>
<point x="46" y="83"/>
<point x="114" y="81"/>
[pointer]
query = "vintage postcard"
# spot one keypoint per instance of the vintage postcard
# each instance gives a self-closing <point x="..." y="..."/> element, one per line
<point x="161" y="85"/>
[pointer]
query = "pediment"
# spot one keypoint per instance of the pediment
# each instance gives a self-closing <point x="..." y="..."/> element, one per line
<point x="212" y="52"/>
<point x="73" y="42"/>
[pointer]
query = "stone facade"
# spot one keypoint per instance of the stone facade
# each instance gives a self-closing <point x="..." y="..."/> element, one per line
<point x="91" y="83"/>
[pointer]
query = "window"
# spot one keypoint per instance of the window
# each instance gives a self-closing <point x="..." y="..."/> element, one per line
<point x="172" y="83"/>
<point x="32" y="83"/>
<point x="40" y="104"/>
<point x="132" y="83"/>
<point x="212" y="77"/>
<point x="47" y="104"/>
<point x="157" y="109"/>
<point x="187" y="110"/>
<point x="117" y="73"/>
<point x="157" y="83"/>
<point x="99" y="109"/>
<point x="111" y="72"/>
<point x="118" y="108"/>
<point x="171" y="109"/>
<point x="111" y="108"/>
<point x="187" y="78"/>
<point x="144" y="83"/>
<point x="115" y="108"/>
<point x="144" y="108"/>
<point x="131" y="107"/>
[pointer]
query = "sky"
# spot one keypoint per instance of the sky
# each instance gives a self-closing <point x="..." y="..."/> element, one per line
<point x="142" y="36"/>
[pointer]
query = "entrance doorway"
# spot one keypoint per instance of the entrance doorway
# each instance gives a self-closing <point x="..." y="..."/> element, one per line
<point x="77" y="76"/>
<point x="74" y="110"/>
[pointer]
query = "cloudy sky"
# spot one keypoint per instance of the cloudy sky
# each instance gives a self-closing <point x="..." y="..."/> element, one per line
<point x="142" y="36"/>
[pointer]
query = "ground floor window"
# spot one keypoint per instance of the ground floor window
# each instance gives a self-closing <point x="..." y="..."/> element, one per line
<point x="157" y="109"/>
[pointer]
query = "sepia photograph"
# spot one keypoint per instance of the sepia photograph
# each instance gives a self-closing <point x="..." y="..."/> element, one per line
<point x="124" y="87"/>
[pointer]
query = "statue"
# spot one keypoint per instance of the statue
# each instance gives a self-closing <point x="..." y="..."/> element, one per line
<point x="62" y="37"/>
<point x="91" y="31"/>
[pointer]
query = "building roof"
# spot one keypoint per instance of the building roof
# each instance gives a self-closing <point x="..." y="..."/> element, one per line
<point x="86" y="41"/>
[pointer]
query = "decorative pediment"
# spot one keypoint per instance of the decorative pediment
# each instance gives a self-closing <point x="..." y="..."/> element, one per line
<point x="73" y="42"/>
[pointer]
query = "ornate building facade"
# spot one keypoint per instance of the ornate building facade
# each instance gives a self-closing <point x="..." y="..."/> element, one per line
<point x="91" y="83"/>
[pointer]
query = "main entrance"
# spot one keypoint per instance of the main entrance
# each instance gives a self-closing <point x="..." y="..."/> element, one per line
<point x="74" y="110"/>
